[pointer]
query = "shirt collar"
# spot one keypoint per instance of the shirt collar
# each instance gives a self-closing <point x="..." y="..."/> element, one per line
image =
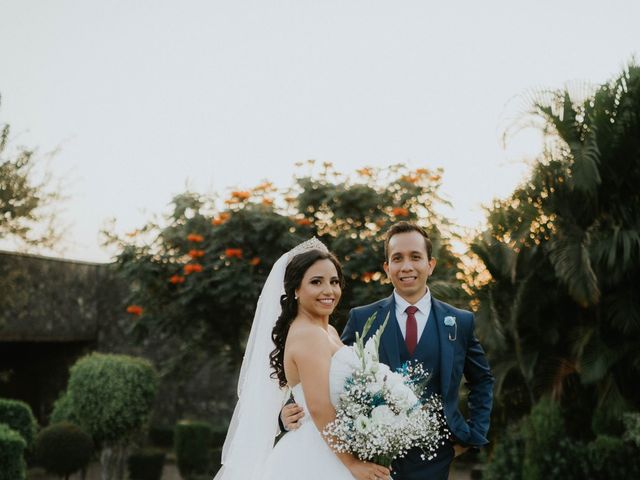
<point x="424" y="304"/>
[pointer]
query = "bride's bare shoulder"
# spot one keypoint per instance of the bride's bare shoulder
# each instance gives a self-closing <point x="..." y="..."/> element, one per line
<point x="305" y="336"/>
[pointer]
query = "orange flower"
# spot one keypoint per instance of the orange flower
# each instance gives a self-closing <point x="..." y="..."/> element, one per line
<point x="305" y="222"/>
<point x="196" y="253"/>
<point x="224" y="216"/>
<point x="267" y="202"/>
<point x="365" y="172"/>
<point x="217" y="221"/>
<point x="435" y="178"/>
<point x="241" y="195"/>
<point x="289" y="199"/>
<point x="176" y="279"/>
<point x="264" y="186"/>
<point x="422" y="171"/>
<point x="367" y="276"/>
<point x="233" y="252"/>
<point x="409" y="178"/>
<point x="380" y="222"/>
<point x="194" y="237"/>
<point x="255" y="261"/>
<point x="135" y="310"/>
<point x="192" y="267"/>
<point x="400" y="212"/>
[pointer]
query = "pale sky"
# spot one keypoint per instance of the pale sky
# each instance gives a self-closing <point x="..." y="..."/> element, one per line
<point x="145" y="97"/>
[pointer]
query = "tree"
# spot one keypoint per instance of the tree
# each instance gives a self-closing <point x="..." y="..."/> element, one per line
<point x="560" y="259"/>
<point x="197" y="277"/>
<point x="25" y="215"/>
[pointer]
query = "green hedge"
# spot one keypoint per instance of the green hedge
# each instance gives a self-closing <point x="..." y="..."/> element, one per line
<point x="63" y="448"/>
<point x="192" y="447"/>
<point x="12" y="446"/>
<point x="19" y="417"/>
<point x="146" y="464"/>
<point x="112" y="395"/>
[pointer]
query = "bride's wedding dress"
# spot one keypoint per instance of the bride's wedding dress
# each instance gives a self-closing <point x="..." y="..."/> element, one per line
<point x="303" y="454"/>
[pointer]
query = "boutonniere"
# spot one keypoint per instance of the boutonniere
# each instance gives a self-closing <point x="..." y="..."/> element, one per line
<point x="450" y="321"/>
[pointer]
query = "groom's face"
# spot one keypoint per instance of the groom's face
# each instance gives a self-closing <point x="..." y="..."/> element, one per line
<point x="408" y="265"/>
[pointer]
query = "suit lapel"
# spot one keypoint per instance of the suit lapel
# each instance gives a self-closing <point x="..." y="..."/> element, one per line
<point x="438" y="312"/>
<point x="389" y="340"/>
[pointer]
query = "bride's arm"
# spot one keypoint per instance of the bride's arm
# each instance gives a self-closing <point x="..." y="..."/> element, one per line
<point x="312" y="357"/>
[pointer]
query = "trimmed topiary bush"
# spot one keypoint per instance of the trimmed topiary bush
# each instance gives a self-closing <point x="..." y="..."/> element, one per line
<point x="19" y="417"/>
<point x="112" y="397"/>
<point x="63" y="411"/>
<point x="12" y="446"/>
<point x="192" y="442"/>
<point x="146" y="464"/>
<point x="63" y="448"/>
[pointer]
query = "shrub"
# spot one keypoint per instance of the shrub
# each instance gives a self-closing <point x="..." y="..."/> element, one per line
<point x="632" y="428"/>
<point x="612" y="458"/>
<point x="507" y="458"/>
<point x="19" y="417"/>
<point x="12" y="445"/>
<point x="548" y="452"/>
<point x="63" y="448"/>
<point x="63" y="411"/>
<point x="192" y="441"/>
<point x="146" y="464"/>
<point x="112" y="395"/>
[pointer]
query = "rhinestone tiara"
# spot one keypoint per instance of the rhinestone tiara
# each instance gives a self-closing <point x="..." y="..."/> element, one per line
<point x="312" y="244"/>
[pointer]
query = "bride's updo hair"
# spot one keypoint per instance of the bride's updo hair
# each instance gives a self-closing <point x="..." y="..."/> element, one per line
<point x="293" y="275"/>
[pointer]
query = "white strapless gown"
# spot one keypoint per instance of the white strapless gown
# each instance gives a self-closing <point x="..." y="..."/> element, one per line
<point x="302" y="454"/>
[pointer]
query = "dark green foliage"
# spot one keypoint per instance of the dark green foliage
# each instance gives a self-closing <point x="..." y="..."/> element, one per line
<point x="192" y="447"/>
<point x="211" y="309"/>
<point x="610" y="458"/>
<point x="632" y="428"/>
<point x="12" y="445"/>
<point x="161" y="436"/>
<point x="507" y="457"/>
<point x="63" y="410"/>
<point x="218" y="435"/>
<point x="558" y="310"/>
<point x="112" y="395"/>
<point x="63" y="448"/>
<point x="146" y="464"/>
<point x="548" y="451"/>
<point x="19" y="417"/>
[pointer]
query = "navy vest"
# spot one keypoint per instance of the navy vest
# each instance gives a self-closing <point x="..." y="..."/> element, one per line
<point x="427" y="352"/>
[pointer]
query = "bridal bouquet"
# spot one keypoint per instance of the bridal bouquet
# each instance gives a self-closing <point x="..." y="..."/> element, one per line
<point x="381" y="414"/>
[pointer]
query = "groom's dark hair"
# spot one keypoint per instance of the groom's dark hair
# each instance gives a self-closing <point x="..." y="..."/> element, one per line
<point x="404" y="227"/>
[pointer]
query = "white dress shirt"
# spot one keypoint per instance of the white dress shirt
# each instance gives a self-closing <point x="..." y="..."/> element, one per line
<point x="422" y="315"/>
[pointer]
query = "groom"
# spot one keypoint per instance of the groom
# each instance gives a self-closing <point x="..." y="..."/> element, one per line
<point x="432" y="332"/>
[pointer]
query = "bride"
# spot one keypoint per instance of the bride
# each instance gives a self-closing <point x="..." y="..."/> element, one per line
<point x="292" y="345"/>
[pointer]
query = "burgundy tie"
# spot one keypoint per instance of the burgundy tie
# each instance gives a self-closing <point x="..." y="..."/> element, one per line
<point x="411" y="337"/>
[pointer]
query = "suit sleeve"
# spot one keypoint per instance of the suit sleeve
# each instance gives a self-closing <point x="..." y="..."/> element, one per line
<point x="348" y="336"/>
<point x="480" y="381"/>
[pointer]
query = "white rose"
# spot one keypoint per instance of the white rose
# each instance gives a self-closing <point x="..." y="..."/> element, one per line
<point x="394" y="378"/>
<point x="383" y="415"/>
<point x="404" y="396"/>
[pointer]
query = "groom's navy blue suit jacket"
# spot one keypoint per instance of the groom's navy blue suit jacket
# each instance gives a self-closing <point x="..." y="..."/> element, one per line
<point x="460" y="354"/>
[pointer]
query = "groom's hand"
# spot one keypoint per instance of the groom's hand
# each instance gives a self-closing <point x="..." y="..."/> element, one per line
<point x="291" y="415"/>
<point x="459" y="449"/>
